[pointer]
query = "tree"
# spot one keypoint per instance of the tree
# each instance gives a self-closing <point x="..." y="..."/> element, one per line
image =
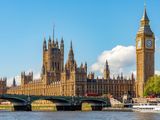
<point x="152" y="86"/>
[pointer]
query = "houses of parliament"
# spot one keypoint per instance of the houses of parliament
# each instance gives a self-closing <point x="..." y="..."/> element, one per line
<point x="59" y="78"/>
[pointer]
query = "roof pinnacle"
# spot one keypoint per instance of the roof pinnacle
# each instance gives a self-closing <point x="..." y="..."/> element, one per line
<point x="145" y="16"/>
<point x="53" y="31"/>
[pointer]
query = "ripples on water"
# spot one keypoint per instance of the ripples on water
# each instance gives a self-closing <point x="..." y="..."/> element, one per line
<point x="78" y="116"/>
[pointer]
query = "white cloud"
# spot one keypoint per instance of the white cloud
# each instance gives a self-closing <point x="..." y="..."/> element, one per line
<point x="36" y="76"/>
<point x="157" y="44"/>
<point x="157" y="72"/>
<point x="17" y="78"/>
<point x="120" y="59"/>
<point x="156" y="38"/>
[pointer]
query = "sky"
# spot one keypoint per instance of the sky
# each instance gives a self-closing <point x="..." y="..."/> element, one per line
<point x="99" y="30"/>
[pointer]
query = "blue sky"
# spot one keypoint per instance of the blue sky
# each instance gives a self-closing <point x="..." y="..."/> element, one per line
<point x="94" y="26"/>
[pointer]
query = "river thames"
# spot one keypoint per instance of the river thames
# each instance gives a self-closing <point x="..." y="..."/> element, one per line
<point x="78" y="116"/>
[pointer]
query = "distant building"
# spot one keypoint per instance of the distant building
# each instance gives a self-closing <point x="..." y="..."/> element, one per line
<point x="3" y="85"/>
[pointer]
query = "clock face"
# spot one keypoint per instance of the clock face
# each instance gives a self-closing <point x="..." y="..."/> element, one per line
<point x="139" y="44"/>
<point x="148" y="43"/>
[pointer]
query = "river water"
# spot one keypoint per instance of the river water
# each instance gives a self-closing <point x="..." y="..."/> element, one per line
<point x="78" y="116"/>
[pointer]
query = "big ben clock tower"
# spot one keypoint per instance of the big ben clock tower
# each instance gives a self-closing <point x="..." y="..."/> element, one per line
<point x="145" y="48"/>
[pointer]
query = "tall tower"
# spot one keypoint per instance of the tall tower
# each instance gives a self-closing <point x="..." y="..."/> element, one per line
<point x="62" y="55"/>
<point x="71" y="53"/>
<point x="53" y="60"/>
<point x="145" y="48"/>
<point x="71" y="63"/>
<point x="106" y="71"/>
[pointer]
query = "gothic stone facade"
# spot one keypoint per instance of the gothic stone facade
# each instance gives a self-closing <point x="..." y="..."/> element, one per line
<point x="56" y="79"/>
<point x="69" y="79"/>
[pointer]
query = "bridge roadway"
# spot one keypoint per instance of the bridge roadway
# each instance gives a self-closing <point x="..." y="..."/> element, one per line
<point x="65" y="103"/>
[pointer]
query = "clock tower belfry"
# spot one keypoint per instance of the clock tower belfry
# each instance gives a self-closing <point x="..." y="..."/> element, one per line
<point x="145" y="48"/>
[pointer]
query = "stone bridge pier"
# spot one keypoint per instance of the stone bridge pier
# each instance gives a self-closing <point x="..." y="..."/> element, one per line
<point x="27" y="107"/>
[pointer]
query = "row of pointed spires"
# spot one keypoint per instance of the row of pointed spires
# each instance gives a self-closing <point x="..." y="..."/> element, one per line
<point x="52" y="43"/>
<point x="24" y="74"/>
<point x="91" y="76"/>
<point x="122" y="76"/>
<point x="82" y="66"/>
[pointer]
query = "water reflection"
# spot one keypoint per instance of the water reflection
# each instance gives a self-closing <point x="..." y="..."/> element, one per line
<point x="78" y="116"/>
<point x="147" y="116"/>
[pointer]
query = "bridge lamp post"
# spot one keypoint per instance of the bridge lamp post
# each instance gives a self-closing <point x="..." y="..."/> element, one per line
<point x="28" y="99"/>
<point x="102" y="105"/>
<point x="72" y="101"/>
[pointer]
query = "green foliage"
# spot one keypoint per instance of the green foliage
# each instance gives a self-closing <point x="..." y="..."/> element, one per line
<point x="152" y="87"/>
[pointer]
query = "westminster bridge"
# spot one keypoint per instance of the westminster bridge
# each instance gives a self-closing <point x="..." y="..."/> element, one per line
<point x="63" y="103"/>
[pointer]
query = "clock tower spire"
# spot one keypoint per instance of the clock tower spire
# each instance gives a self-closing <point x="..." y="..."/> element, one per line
<point x="145" y="48"/>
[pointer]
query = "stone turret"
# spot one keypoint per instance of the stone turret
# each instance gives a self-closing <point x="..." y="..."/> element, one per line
<point x="91" y="75"/>
<point x="71" y="63"/>
<point x="3" y="85"/>
<point x="85" y="67"/>
<point x="71" y="53"/>
<point x="53" y="44"/>
<point x="14" y="83"/>
<point x="25" y="79"/>
<point x="44" y="45"/>
<point x="106" y="71"/>
<point x="121" y="76"/>
<point x="62" y="54"/>
<point x="57" y="46"/>
<point x="49" y="55"/>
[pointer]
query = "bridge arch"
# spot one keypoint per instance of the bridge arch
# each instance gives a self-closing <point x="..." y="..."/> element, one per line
<point x="14" y="100"/>
<point x="19" y="103"/>
<point x="94" y="101"/>
<point x="57" y="101"/>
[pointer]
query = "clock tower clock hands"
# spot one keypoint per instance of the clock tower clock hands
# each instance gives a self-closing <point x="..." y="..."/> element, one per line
<point x="149" y="43"/>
